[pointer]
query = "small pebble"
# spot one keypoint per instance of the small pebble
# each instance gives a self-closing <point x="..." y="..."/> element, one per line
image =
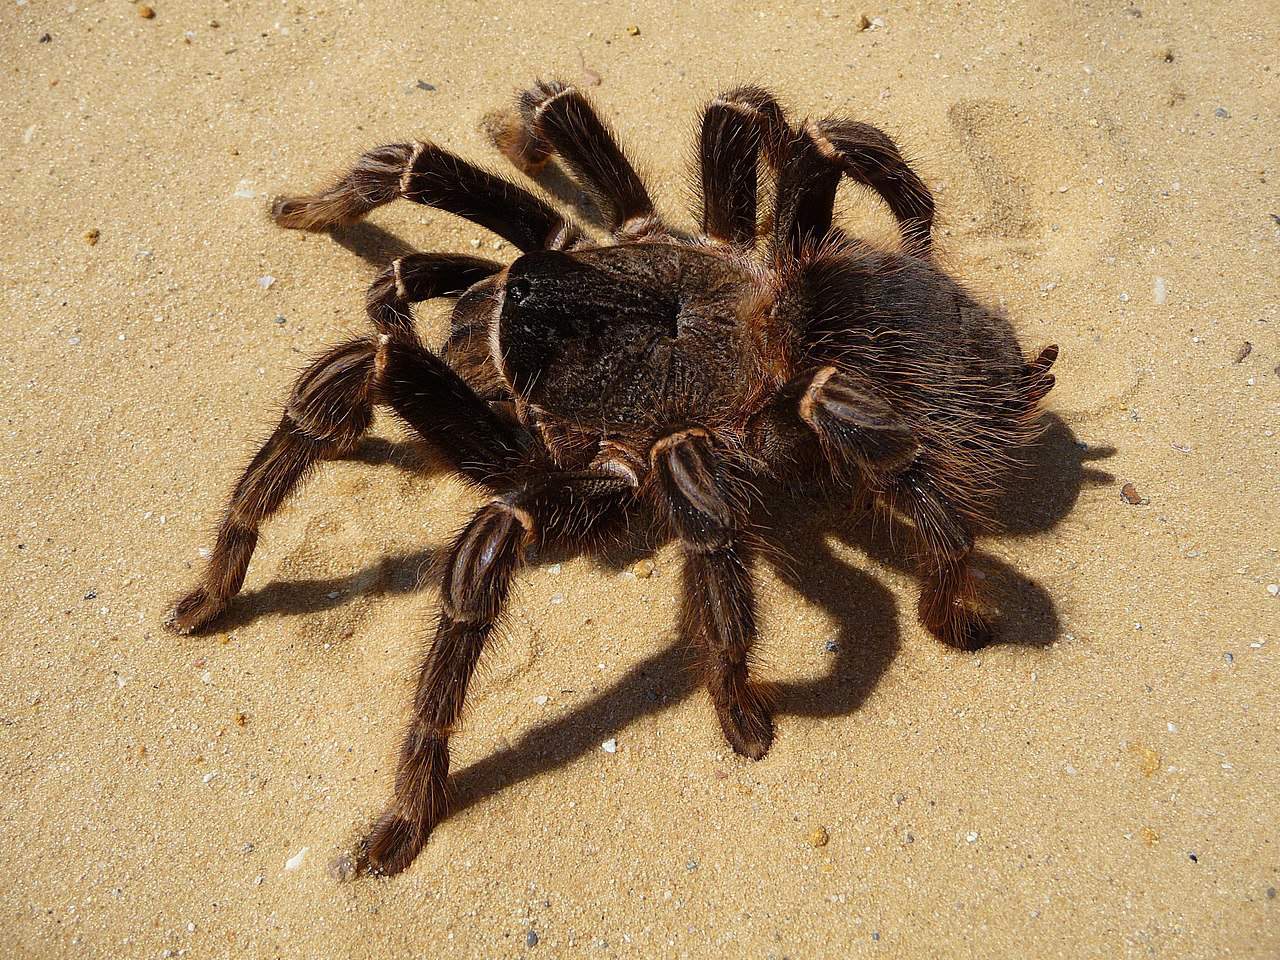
<point x="1124" y="298"/>
<point x="145" y="12"/>
<point x="610" y="746"/>
<point x="279" y="320"/>
<point x="1160" y="291"/>
<point x="91" y="236"/>
<point x="590" y="77"/>
<point x="818" y="837"/>
<point x="211" y="776"/>
<point x="831" y="646"/>
<point x="1222" y="113"/>
<point x="294" y="862"/>
<point x="46" y="38"/>
<point x="423" y="85"/>
<point x="1271" y="893"/>
<point x="1165" y="54"/>
<point x="541" y="700"/>
<point x="1244" y="350"/>
<point x="691" y="865"/>
<point x="265" y="282"/>
<point x="1273" y="589"/>
<point x="1129" y="493"/>
<point x="864" y="22"/>
<point x="633" y="30"/>
<point x="644" y="569"/>
<point x="531" y="939"/>
<point x="971" y="836"/>
<point x="1193" y="858"/>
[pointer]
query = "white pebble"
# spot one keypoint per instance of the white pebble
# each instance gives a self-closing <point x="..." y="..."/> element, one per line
<point x="541" y="700"/>
<point x="475" y="244"/>
<point x="294" y="862"/>
<point x="1160" y="291"/>
<point x="206" y="677"/>
<point x="1172" y="727"/>
<point x="265" y="282"/>
<point x="557" y="598"/>
<point x="244" y="190"/>
<point x="972" y="836"/>
<point x="209" y="777"/>
<point x="610" y="746"/>
<point x="1124" y="298"/>
<point x="1273" y="589"/>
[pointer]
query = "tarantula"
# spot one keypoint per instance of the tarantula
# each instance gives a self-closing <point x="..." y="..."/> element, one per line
<point x="658" y="374"/>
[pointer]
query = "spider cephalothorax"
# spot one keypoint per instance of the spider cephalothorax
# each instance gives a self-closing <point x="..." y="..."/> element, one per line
<point x="657" y="374"/>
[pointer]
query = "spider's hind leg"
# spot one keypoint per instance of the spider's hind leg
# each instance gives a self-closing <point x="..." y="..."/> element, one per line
<point x="948" y="604"/>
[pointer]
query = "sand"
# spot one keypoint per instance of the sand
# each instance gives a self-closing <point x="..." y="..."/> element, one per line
<point x="1102" y="783"/>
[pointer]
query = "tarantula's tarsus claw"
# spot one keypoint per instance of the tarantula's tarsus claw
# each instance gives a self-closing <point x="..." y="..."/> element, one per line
<point x="749" y="729"/>
<point x="965" y="629"/>
<point x="392" y="844"/>
<point x="193" y="612"/>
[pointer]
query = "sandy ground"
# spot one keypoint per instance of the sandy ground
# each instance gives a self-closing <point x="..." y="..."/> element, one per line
<point x="1103" y="783"/>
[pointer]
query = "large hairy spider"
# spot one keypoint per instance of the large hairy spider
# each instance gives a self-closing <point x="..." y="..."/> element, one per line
<point x="656" y="375"/>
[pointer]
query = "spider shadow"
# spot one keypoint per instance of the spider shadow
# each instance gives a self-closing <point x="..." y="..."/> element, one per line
<point x="798" y="547"/>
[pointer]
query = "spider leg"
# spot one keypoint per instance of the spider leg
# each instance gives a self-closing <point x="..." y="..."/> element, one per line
<point x="861" y="436"/>
<point x="329" y="409"/>
<point x="718" y="615"/>
<point x="481" y="566"/>
<point x="818" y="155"/>
<point x="559" y="119"/>
<point x="427" y="174"/>
<point x="418" y="277"/>
<point x="948" y="604"/>
<point x="858" y="433"/>
<point x="736" y="127"/>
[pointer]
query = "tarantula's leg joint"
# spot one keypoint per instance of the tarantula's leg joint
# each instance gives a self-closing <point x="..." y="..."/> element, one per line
<point x="856" y="427"/>
<point x="718" y="615"/>
<point x="418" y="277"/>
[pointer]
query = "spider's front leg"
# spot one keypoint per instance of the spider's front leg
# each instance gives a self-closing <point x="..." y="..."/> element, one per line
<point x="481" y="566"/>
<point x="737" y="127"/>
<point x="330" y="408"/>
<point x="818" y="155"/>
<point x="718" y="615"/>
<point x="555" y="118"/>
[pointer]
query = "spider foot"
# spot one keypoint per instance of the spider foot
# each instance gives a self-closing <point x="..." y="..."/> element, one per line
<point x="194" y="612"/>
<point x="391" y="845"/>
<point x="748" y="728"/>
<point x="964" y="629"/>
